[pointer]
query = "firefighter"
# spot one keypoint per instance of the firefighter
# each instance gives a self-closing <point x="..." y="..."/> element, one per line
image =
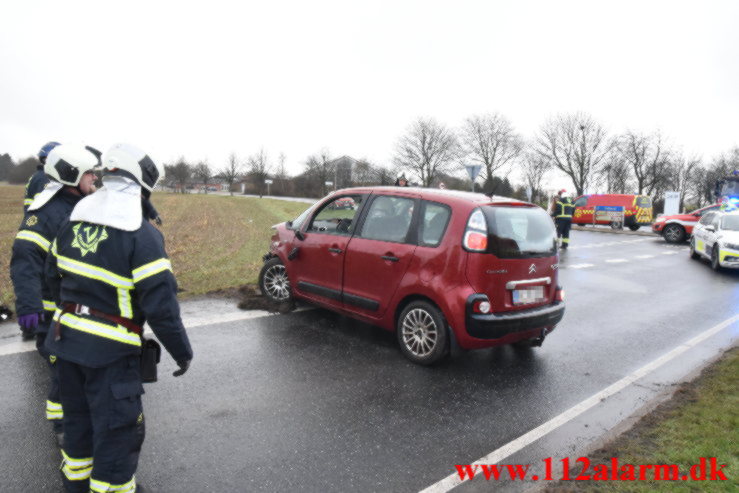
<point x="38" y="180"/>
<point x="401" y="181"/>
<point x="562" y="210"/>
<point x="110" y="274"/>
<point x="71" y="171"/>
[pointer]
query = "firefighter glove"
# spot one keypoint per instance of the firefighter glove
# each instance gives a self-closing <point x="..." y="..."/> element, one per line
<point x="184" y="365"/>
<point x="30" y="321"/>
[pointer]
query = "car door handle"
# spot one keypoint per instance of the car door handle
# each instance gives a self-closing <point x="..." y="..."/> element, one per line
<point x="390" y="258"/>
<point x="335" y="250"/>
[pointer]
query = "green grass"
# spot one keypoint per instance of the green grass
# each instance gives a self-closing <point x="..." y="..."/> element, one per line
<point x="215" y="242"/>
<point x="700" y="421"/>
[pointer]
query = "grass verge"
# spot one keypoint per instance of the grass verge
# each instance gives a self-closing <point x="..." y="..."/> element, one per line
<point x="215" y="242"/>
<point x="701" y="420"/>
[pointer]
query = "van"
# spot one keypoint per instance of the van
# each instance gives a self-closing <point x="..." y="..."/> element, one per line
<point x="637" y="210"/>
<point x="440" y="268"/>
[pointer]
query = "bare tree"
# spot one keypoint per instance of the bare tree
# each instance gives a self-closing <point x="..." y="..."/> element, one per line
<point x="282" y="178"/>
<point x="203" y="174"/>
<point x="231" y="172"/>
<point x="490" y="141"/>
<point x="576" y="145"/>
<point x="180" y="172"/>
<point x="534" y="168"/>
<point x="615" y="174"/>
<point x="428" y="148"/>
<point x="259" y="168"/>
<point x="681" y="171"/>
<point x="647" y="157"/>
<point x="319" y="168"/>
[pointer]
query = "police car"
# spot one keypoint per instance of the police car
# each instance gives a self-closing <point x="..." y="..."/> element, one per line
<point x="716" y="237"/>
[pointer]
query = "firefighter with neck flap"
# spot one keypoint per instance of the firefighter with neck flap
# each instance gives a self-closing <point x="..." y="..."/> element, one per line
<point x="562" y="210"/>
<point x="110" y="274"/>
<point x="71" y="171"/>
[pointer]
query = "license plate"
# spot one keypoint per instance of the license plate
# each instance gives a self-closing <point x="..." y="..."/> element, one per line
<point x="528" y="295"/>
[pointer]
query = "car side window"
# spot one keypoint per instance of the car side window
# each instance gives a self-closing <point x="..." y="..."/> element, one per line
<point x="434" y="223"/>
<point x="388" y="219"/>
<point x="581" y="201"/>
<point x="337" y="217"/>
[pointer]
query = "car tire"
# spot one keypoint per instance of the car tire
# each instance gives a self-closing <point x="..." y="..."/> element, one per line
<point x="673" y="233"/>
<point x="273" y="281"/>
<point x="693" y="254"/>
<point x="422" y="333"/>
<point x="715" y="265"/>
<point x="634" y="227"/>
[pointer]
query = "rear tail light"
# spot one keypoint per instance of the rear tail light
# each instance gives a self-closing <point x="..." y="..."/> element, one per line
<point x="481" y="306"/>
<point x="559" y="295"/>
<point x="476" y="234"/>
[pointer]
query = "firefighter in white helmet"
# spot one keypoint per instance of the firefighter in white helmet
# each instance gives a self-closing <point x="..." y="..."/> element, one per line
<point x="111" y="274"/>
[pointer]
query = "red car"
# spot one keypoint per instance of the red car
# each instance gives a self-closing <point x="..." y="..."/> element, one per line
<point x="441" y="268"/>
<point x="678" y="228"/>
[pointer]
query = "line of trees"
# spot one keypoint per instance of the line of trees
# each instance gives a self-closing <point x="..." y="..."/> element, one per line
<point x="572" y="145"/>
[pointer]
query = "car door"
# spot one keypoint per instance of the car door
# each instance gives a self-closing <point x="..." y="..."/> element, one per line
<point x="379" y="254"/>
<point x="711" y="232"/>
<point x="318" y="267"/>
<point x="699" y="232"/>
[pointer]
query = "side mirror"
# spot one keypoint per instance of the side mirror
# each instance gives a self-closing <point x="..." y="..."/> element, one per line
<point x="711" y="228"/>
<point x="299" y="235"/>
<point x="289" y="225"/>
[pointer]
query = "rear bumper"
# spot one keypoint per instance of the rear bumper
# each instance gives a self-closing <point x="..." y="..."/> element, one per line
<point x="499" y="325"/>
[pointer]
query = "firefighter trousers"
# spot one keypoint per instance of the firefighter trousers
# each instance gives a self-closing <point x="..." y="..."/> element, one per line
<point x="103" y="425"/>
<point x="54" y="411"/>
<point x="563" y="230"/>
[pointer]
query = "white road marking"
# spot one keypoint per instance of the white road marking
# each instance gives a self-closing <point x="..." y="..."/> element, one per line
<point x="616" y="260"/>
<point x="496" y="456"/>
<point x="642" y="257"/>
<point x="580" y="266"/>
<point x="189" y="323"/>
<point x="669" y="253"/>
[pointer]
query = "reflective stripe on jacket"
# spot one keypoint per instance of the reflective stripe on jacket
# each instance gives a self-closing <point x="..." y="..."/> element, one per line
<point x="564" y="208"/>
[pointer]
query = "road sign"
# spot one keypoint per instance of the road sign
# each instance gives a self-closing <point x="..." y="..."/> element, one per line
<point x="672" y="203"/>
<point x="268" y="182"/>
<point x="329" y="183"/>
<point x="473" y="170"/>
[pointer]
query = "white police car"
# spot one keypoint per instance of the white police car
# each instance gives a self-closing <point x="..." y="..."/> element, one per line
<point x="716" y="237"/>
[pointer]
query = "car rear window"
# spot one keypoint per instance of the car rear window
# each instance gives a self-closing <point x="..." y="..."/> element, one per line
<point x="519" y="232"/>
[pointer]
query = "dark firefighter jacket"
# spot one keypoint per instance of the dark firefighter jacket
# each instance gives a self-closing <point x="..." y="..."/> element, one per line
<point x="116" y="272"/>
<point x="35" y="185"/>
<point x="30" y="248"/>
<point x="563" y="208"/>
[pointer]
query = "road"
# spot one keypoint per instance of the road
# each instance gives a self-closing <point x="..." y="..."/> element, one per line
<point x="312" y="401"/>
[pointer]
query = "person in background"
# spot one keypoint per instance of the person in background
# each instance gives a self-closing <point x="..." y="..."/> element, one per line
<point x="562" y="210"/>
<point x="401" y="181"/>
<point x="38" y="180"/>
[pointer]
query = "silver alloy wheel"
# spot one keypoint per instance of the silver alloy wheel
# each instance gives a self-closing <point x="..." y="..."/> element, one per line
<point x="672" y="233"/>
<point x="276" y="282"/>
<point x="419" y="331"/>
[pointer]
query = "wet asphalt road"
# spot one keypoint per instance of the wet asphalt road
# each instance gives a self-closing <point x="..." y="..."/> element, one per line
<point x="312" y="401"/>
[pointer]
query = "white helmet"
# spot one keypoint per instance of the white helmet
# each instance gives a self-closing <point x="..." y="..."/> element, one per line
<point x="131" y="162"/>
<point x="66" y="163"/>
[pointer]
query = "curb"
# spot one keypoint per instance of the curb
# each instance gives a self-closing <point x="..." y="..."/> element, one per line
<point x="615" y="231"/>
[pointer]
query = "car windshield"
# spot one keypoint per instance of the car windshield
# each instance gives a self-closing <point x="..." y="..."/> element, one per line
<point x="730" y="223"/>
<point x="520" y="232"/>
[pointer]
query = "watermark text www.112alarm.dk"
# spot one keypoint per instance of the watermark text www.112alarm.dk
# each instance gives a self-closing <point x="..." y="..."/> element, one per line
<point x="707" y="469"/>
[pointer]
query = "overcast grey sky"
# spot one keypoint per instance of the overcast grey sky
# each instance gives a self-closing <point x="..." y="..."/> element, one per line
<point x="202" y="79"/>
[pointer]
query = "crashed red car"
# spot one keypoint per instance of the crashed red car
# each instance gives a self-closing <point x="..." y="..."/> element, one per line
<point x="441" y="268"/>
<point x="678" y="227"/>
